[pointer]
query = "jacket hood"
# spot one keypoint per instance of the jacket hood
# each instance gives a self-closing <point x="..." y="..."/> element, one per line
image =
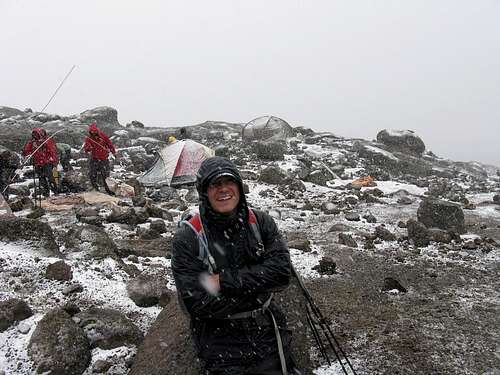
<point x="213" y="168"/>
<point x="37" y="132"/>
<point x="93" y="128"/>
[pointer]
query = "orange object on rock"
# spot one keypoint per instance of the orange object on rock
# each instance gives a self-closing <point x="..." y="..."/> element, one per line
<point x="366" y="181"/>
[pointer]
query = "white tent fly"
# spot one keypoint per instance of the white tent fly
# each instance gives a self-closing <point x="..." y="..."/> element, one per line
<point x="176" y="164"/>
<point x="267" y="128"/>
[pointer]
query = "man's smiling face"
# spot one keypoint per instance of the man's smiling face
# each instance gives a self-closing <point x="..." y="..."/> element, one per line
<point x="223" y="194"/>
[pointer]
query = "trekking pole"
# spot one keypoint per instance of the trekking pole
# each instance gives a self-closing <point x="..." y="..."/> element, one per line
<point x="328" y="333"/>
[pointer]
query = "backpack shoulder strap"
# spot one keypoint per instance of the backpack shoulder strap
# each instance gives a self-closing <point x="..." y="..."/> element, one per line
<point x="254" y="226"/>
<point x="203" y="251"/>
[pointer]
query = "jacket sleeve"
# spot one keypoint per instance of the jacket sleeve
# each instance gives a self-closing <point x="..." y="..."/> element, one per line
<point x="109" y="144"/>
<point x="87" y="147"/>
<point x="52" y="151"/>
<point x="27" y="148"/>
<point x="187" y="269"/>
<point x="271" y="275"/>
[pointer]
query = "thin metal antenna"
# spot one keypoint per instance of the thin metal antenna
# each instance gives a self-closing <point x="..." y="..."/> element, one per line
<point x="58" y="87"/>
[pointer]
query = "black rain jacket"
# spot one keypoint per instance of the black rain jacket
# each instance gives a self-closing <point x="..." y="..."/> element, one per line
<point x="246" y="279"/>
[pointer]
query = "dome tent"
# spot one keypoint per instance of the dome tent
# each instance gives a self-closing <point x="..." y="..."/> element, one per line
<point x="267" y="128"/>
<point x="176" y="164"/>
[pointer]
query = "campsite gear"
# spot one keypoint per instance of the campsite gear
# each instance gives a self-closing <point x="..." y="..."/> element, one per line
<point x="269" y="128"/>
<point x="366" y="181"/>
<point x="56" y="175"/>
<point x="64" y="153"/>
<point x="171" y="139"/>
<point x="316" y="319"/>
<point x="176" y="164"/>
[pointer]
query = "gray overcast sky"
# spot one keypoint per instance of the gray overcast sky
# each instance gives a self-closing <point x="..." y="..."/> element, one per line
<point x="350" y="67"/>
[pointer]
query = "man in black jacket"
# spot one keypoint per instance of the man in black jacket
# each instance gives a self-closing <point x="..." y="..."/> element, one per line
<point x="227" y="262"/>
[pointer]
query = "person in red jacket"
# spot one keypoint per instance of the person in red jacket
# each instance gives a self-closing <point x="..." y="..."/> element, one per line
<point x="44" y="153"/>
<point x="99" y="145"/>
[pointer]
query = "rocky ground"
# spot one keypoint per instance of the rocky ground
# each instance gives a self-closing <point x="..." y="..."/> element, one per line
<point x="404" y="267"/>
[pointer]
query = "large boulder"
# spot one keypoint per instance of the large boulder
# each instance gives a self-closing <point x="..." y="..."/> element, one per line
<point x="146" y="290"/>
<point x="106" y="118"/>
<point x="418" y="233"/>
<point x="402" y="141"/>
<point x="108" y="328"/>
<point x="437" y="213"/>
<point x="58" y="345"/>
<point x="273" y="175"/>
<point x="11" y="311"/>
<point x="34" y="232"/>
<point x="6" y="112"/>
<point x="167" y="348"/>
<point x="174" y="353"/>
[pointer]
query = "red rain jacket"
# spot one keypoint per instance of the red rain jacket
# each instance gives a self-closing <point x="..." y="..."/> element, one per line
<point x="46" y="151"/>
<point x="98" y="144"/>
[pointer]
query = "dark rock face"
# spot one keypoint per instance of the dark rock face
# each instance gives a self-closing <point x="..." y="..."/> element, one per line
<point x="346" y="239"/>
<point x="38" y="234"/>
<point x="128" y="215"/>
<point x="273" y="175"/>
<point x="441" y="214"/>
<point x="146" y="290"/>
<point x="108" y="328"/>
<point x="440" y="235"/>
<point x="418" y="233"/>
<point x="269" y="150"/>
<point x="391" y="284"/>
<point x="59" y="346"/>
<point x="106" y="118"/>
<point x="352" y="216"/>
<point x="59" y="271"/>
<point x="92" y="240"/>
<point x="13" y="310"/>
<point x="156" y="354"/>
<point x="402" y="141"/>
<point x="319" y="177"/>
<point x="159" y="247"/>
<point x="384" y="234"/>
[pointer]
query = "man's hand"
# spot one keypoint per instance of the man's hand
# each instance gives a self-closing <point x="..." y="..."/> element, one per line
<point x="210" y="283"/>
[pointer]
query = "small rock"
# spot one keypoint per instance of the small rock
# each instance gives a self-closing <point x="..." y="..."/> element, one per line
<point x="23" y="328"/>
<point x="401" y="224"/>
<point x="470" y="245"/>
<point x="352" y="216"/>
<point x="370" y="218"/>
<point x="339" y="227"/>
<point x="74" y="288"/>
<point x="384" y="234"/>
<point x="391" y="284"/>
<point x="59" y="271"/>
<point x="405" y="200"/>
<point x="326" y="266"/>
<point x="300" y="244"/>
<point x="101" y="366"/>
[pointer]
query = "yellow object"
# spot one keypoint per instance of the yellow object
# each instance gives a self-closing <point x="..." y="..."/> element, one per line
<point x="56" y="174"/>
<point x="171" y="139"/>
